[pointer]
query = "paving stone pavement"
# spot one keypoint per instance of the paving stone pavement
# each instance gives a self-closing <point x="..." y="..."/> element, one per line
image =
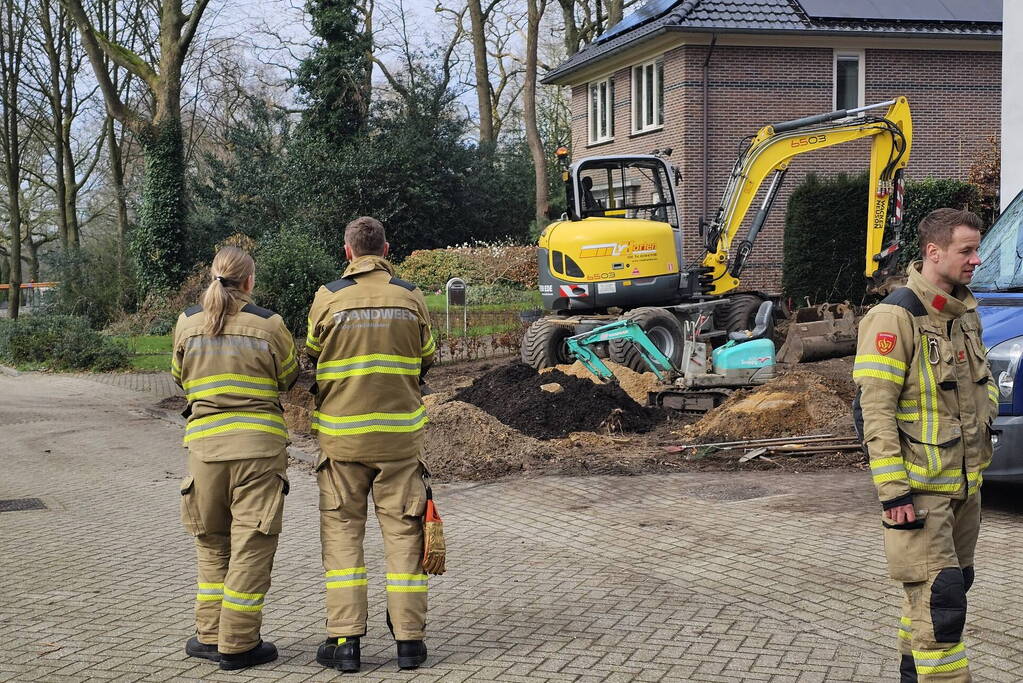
<point x="668" y="577"/>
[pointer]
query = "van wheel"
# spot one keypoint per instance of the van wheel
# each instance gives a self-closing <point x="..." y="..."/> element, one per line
<point x="664" y="330"/>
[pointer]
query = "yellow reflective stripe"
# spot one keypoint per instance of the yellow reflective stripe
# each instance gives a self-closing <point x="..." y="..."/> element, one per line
<point x="928" y="406"/>
<point x="369" y="422"/>
<point x="175" y="368"/>
<point x="348" y="583"/>
<point x="889" y="476"/>
<point x="341" y="374"/>
<point x="879" y="374"/>
<point x="409" y="577"/>
<point x="367" y="358"/>
<point x="205" y="597"/>
<point x="407" y="589"/>
<point x="346" y="572"/>
<point x="913" y="467"/>
<point x="231" y="389"/>
<point x="198" y="422"/>
<point x="430" y="346"/>
<point x="938" y="661"/>
<point x="233" y="426"/>
<point x="905" y="626"/>
<point x="244" y="596"/>
<point x="242" y="608"/>
<point x="883" y="360"/>
<point x="227" y="377"/>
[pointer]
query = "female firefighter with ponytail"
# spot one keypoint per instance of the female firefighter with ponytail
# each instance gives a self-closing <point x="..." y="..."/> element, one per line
<point x="232" y="358"/>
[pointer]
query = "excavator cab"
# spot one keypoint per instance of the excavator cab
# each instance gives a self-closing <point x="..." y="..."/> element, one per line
<point x="622" y="187"/>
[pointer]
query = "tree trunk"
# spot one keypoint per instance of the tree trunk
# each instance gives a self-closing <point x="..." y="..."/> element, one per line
<point x="534" y="13"/>
<point x="479" y="50"/>
<point x="33" y="259"/>
<point x="158" y="239"/>
<point x="571" y="28"/>
<point x="614" y="12"/>
<point x="120" y="194"/>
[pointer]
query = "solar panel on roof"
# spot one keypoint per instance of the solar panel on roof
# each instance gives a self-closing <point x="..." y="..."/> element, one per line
<point x="648" y="12"/>
<point x="988" y="11"/>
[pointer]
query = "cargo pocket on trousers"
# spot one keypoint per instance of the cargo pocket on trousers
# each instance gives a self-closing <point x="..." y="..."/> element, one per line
<point x="415" y="498"/>
<point x="190" y="517"/>
<point x="272" y="519"/>
<point x="330" y="497"/>
<point x="905" y="548"/>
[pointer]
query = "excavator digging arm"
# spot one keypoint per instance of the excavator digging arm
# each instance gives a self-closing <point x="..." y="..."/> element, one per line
<point x="771" y="150"/>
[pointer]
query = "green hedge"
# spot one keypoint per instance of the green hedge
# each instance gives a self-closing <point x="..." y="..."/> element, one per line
<point x="60" y="342"/>
<point x="290" y="267"/>
<point x="826" y="230"/>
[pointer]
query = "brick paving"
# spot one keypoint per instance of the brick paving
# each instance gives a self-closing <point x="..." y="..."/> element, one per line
<point x="668" y="577"/>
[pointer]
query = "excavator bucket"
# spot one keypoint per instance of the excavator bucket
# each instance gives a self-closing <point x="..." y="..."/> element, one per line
<point x="820" y="332"/>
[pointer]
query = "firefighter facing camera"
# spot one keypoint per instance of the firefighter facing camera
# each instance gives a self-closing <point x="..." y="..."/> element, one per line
<point x="924" y="410"/>
<point x="369" y="335"/>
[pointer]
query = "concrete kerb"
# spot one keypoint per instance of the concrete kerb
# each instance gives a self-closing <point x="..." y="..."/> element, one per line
<point x="175" y="418"/>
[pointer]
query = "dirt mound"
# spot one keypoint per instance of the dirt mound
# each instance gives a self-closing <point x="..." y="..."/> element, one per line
<point x="512" y="394"/>
<point x="463" y="442"/>
<point x="636" y="384"/>
<point x="799" y="402"/>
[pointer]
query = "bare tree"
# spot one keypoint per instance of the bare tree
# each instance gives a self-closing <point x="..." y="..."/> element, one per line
<point x="157" y="242"/>
<point x="534" y="13"/>
<point x="13" y="135"/>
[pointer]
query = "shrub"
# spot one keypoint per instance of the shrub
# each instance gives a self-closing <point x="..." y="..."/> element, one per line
<point x="60" y="342"/>
<point x="485" y="295"/>
<point x="826" y="230"/>
<point x="91" y="285"/>
<point x="483" y="264"/>
<point x="159" y="312"/>
<point x="290" y="267"/>
<point x="925" y="196"/>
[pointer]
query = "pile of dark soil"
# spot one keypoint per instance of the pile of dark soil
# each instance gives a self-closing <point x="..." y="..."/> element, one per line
<point x="512" y="394"/>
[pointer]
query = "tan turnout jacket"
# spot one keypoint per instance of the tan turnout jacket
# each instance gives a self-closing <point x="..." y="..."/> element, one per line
<point x="369" y="333"/>
<point x="232" y="381"/>
<point x="926" y="392"/>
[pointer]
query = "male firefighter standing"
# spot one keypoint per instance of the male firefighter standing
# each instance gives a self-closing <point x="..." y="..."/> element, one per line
<point x="369" y="334"/>
<point x="928" y="399"/>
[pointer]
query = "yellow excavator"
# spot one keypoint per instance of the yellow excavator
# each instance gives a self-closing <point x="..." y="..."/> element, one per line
<point x="618" y="251"/>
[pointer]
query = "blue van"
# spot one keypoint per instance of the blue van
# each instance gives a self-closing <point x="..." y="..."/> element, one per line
<point x="998" y="286"/>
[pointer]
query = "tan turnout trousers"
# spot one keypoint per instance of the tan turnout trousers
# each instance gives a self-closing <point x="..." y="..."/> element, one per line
<point x="234" y="508"/>
<point x="935" y="565"/>
<point x="399" y="496"/>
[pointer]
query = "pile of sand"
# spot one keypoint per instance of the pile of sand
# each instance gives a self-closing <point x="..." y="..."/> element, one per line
<point x="800" y="402"/>
<point x="463" y="442"/>
<point x="636" y="384"/>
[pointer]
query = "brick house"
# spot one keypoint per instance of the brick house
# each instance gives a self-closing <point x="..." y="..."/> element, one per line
<point x="737" y="65"/>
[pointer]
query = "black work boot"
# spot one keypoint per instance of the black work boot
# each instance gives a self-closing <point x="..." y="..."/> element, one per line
<point x="411" y="653"/>
<point x="193" y="648"/>
<point x="341" y="653"/>
<point x="261" y="654"/>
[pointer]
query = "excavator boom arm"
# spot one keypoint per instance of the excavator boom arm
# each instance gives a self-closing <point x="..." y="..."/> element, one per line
<point x="771" y="151"/>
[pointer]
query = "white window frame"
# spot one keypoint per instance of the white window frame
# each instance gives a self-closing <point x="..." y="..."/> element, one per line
<point x="843" y="55"/>
<point x="640" y="112"/>
<point x="605" y="103"/>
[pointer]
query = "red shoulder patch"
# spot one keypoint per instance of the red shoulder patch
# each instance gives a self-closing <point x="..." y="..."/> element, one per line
<point x="885" y="342"/>
<point x="938" y="302"/>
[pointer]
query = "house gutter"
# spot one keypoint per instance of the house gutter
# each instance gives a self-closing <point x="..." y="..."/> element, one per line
<point x="557" y="75"/>
<point x="706" y="122"/>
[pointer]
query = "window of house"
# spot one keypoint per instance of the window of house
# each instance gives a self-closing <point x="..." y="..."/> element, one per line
<point x="647" y="96"/>
<point x="602" y="110"/>
<point x="849" y="79"/>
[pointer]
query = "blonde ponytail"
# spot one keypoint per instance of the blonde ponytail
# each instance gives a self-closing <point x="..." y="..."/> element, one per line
<point x="231" y="267"/>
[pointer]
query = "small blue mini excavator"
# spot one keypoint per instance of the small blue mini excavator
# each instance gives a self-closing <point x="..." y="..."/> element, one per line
<point x="698" y="386"/>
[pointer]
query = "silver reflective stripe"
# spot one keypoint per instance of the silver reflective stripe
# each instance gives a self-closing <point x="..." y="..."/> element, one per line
<point x="367" y="364"/>
<point x="408" y="422"/>
<point x="927" y="661"/>
<point x="225" y="343"/>
<point x="232" y="420"/>
<point x="865" y="365"/>
<point x="406" y="582"/>
<point x="210" y="591"/>
<point x="243" y="601"/>
<point x="923" y="479"/>
<point x="928" y="407"/>
<point x="886" y="469"/>
<point x="230" y="383"/>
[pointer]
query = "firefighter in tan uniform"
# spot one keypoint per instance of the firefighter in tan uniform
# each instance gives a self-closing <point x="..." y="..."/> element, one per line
<point x="927" y="400"/>
<point x="232" y="358"/>
<point x="369" y="334"/>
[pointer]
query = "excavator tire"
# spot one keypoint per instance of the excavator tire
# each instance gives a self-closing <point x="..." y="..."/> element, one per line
<point x="742" y="312"/>
<point x="543" y="345"/>
<point x="664" y="330"/>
